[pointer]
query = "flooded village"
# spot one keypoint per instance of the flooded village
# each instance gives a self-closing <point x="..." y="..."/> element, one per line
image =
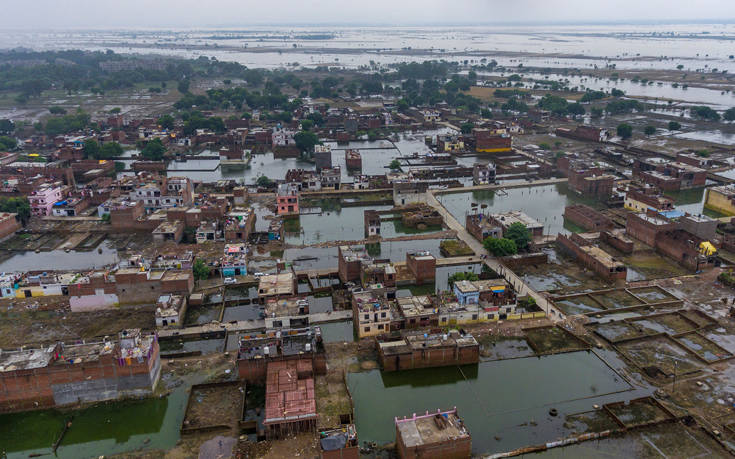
<point x="394" y="252"/>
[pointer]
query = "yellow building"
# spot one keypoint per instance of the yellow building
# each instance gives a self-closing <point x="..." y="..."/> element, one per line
<point x="721" y="199"/>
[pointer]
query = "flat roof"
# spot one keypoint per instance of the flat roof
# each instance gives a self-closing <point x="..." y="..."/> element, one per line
<point x="276" y="284"/>
<point x="431" y="428"/>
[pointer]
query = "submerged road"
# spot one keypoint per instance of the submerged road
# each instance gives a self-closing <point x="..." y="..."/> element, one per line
<point x="521" y="287"/>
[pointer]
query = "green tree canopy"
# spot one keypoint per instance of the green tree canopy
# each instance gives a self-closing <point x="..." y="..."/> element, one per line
<point x="166" y="121"/>
<point x="20" y="206"/>
<point x="153" y="150"/>
<point x="625" y="130"/>
<point x="264" y="182"/>
<point x="306" y="141"/>
<point x="200" y="269"/>
<point x="500" y="247"/>
<point x="8" y="143"/>
<point x="649" y="130"/>
<point x="110" y="150"/>
<point x="91" y="148"/>
<point x="674" y="125"/>
<point x="520" y="234"/>
<point x="6" y="126"/>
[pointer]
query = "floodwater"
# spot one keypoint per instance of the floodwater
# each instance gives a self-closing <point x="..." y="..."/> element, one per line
<point x="652" y="90"/>
<point x="331" y="222"/>
<point x="544" y="203"/>
<point x="504" y="403"/>
<point x="337" y="332"/>
<point x="629" y="46"/>
<point x="205" y="346"/>
<point x="109" y="428"/>
<point x="376" y="155"/>
<point x="691" y="201"/>
<point x="716" y="136"/>
<point x="61" y="260"/>
<point x="327" y="257"/>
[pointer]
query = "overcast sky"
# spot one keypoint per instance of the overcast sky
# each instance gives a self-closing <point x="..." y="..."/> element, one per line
<point x="83" y="14"/>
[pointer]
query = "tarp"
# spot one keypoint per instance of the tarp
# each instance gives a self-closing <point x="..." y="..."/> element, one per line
<point x="334" y="442"/>
<point x="707" y="248"/>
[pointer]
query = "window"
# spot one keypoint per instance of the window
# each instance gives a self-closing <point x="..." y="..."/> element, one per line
<point x="380" y="327"/>
<point x="474" y="316"/>
<point x="444" y="319"/>
<point x="367" y="330"/>
<point x="367" y="316"/>
<point x="382" y="314"/>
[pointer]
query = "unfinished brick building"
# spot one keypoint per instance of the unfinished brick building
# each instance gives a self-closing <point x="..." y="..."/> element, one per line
<point x="258" y="349"/>
<point x="646" y="226"/>
<point x="587" y="217"/>
<point x="669" y="176"/>
<point x="425" y="351"/>
<point x="422" y="266"/>
<point x="290" y="400"/>
<point x="61" y="375"/>
<point x="592" y="257"/>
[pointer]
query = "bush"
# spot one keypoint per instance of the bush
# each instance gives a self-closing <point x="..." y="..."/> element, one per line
<point x="726" y="278"/>
<point x="674" y="126"/>
<point x="518" y="233"/>
<point x="649" y="130"/>
<point x="456" y="277"/>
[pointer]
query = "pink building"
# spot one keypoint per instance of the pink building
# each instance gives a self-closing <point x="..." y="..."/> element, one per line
<point x="287" y="199"/>
<point x="43" y="199"/>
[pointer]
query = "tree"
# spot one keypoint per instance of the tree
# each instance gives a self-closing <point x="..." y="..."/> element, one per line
<point x="649" y="130"/>
<point x="6" y="126"/>
<point x="200" y="269"/>
<point x="706" y="113"/>
<point x="56" y="110"/>
<point x="91" y="148"/>
<point x="617" y="93"/>
<point x="19" y="206"/>
<point x="395" y="165"/>
<point x="264" y="182"/>
<point x="153" y="150"/>
<point x="183" y="86"/>
<point x="500" y="247"/>
<point x="576" y="109"/>
<point x="674" y="125"/>
<point x="460" y="276"/>
<point x="8" y="143"/>
<point x="166" y="122"/>
<point x="467" y="128"/>
<point x="306" y="125"/>
<point x="625" y="130"/>
<point x="729" y="114"/>
<point x="306" y="141"/>
<point x="520" y="234"/>
<point x="596" y="112"/>
<point x="555" y="104"/>
<point x="110" y="150"/>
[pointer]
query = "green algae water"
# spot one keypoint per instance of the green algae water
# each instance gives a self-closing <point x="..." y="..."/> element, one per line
<point x="505" y="404"/>
<point x="108" y="428"/>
